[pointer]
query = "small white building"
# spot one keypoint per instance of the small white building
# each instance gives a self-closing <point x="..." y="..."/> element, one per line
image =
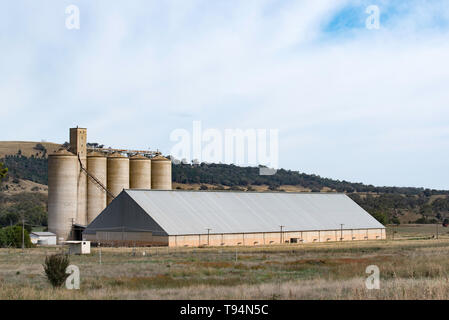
<point x="43" y="238"/>
<point x="78" y="247"/>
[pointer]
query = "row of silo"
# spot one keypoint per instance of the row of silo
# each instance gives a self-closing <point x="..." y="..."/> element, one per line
<point x="115" y="172"/>
<point x="118" y="172"/>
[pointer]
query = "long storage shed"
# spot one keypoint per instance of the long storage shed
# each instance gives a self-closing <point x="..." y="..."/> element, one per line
<point x="222" y="218"/>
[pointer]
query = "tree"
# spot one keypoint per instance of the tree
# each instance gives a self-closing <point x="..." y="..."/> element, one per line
<point x="12" y="236"/>
<point x="381" y="217"/>
<point x="95" y="145"/>
<point x="3" y="171"/>
<point x="395" y="220"/>
<point x="40" y="147"/>
<point x="445" y="222"/>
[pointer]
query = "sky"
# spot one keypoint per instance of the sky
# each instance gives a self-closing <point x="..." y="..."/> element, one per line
<point x="349" y="103"/>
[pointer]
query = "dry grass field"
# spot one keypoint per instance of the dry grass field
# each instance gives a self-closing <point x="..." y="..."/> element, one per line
<point x="27" y="147"/>
<point x="410" y="268"/>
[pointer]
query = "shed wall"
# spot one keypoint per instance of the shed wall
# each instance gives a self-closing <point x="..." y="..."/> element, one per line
<point x="115" y="238"/>
<point x="267" y="238"/>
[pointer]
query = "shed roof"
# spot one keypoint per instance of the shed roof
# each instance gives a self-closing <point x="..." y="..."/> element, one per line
<point x="43" y="234"/>
<point x="177" y="212"/>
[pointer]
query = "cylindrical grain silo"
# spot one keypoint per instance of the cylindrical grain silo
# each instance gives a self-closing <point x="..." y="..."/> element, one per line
<point x="62" y="193"/>
<point x="81" y="216"/>
<point x="96" y="195"/>
<point x="139" y="172"/>
<point x="161" y="173"/>
<point x="118" y="174"/>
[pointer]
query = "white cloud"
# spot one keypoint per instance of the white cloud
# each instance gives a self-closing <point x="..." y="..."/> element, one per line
<point x="343" y="104"/>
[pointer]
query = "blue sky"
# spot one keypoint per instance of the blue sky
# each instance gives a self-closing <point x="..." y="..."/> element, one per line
<point x="350" y="103"/>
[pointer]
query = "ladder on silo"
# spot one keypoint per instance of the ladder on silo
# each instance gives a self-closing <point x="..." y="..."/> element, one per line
<point x="102" y="186"/>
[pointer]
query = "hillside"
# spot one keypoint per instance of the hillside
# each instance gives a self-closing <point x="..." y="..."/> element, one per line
<point x="387" y="204"/>
<point x="21" y="167"/>
<point x="27" y="148"/>
<point x="15" y="186"/>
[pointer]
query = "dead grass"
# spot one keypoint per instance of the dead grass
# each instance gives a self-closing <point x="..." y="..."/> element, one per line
<point x="395" y="289"/>
<point x="410" y="269"/>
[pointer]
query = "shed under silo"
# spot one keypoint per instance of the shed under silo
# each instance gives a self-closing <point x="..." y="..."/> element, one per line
<point x="212" y="218"/>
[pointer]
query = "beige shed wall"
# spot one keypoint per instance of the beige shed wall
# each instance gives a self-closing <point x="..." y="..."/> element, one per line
<point x="267" y="238"/>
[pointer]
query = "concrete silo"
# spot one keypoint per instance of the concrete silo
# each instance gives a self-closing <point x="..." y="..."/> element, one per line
<point x="139" y="172"/>
<point x="118" y="174"/>
<point x="62" y="193"/>
<point x="161" y="173"/>
<point x="96" y="195"/>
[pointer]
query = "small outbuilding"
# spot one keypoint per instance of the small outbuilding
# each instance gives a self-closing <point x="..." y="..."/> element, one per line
<point x="43" y="238"/>
<point x="78" y="247"/>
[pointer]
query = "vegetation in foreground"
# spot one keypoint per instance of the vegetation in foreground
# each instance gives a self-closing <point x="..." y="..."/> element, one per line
<point x="55" y="269"/>
<point x="413" y="267"/>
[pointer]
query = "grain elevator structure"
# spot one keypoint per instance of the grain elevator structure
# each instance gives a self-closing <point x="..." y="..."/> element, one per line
<point x="83" y="180"/>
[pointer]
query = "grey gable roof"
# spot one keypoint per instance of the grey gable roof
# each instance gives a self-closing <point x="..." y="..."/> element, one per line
<point x="193" y="212"/>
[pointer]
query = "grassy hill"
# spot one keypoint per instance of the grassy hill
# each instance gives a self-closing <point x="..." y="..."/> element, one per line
<point x="27" y="148"/>
<point x="387" y="204"/>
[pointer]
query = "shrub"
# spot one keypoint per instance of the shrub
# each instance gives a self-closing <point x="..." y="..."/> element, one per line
<point x="54" y="267"/>
<point x="395" y="220"/>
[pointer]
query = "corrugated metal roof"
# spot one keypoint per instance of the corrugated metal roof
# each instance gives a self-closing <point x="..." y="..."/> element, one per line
<point x="43" y="234"/>
<point x="192" y="212"/>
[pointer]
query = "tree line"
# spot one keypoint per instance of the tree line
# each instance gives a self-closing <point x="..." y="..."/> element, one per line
<point x="386" y="204"/>
<point x="26" y="205"/>
<point x="232" y="175"/>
